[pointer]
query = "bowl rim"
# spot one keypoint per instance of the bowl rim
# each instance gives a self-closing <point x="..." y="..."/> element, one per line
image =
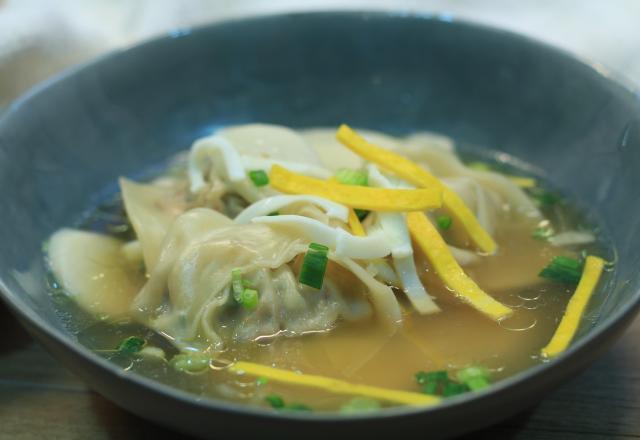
<point x="24" y="312"/>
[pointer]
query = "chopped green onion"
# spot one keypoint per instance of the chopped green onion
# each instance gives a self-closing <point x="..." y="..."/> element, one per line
<point x="479" y="166"/>
<point x="543" y="197"/>
<point x="297" y="407"/>
<point x="542" y="233"/>
<point x="247" y="283"/>
<point x="444" y="222"/>
<point x="563" y="270"/>
<point x="438" y="382"/>
<point x="361" y="213"/>
<point x="275" y="401"/>
<point x="348" y="176"/>
<point x="131" y="345"/>
<point x="273" y="213"/>
<point x="259" y="177"/>
<point x="423" y="377"/>
<point x="191" y="362"/>
<point x="249" y="299"/>
<point x="314" y="266"/>
<point x="432" y="382"/>
<point x="237" y="285"/>
<point x="454" y="388"/>
<point x="475" y="377"/>
<point x="477" y="384"/>
<point x="262" y="380"/>
<point x="359" y="405"/>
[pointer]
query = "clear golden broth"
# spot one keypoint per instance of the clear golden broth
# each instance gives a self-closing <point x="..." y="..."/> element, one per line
<point x="369" y="353"/>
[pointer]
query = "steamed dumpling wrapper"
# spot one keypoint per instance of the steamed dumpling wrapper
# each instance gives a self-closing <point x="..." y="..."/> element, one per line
<point x="151" y="209"/>
<point x="188" y="295"/>
<point x="438" y="154"/>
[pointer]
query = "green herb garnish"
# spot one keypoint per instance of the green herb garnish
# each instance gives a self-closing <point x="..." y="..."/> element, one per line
<point x="191" y="362"/>
<point x="259" y="177"/>
<point x="131" y="345"/>
<point x="479" y="166"/>
<point x="563" y="270"/>
<point x="297" y="407"/>
<point x="439" y="383"/>
<point x="542" y="233"/>
<point x="475" y="377"/>
<point x="361" y="213"/>
<point x="314" y="266"/>
<point x="359" y="405"/>
<point x="275" y="401"/>
<point x="444" y="222"/>
<point x="249" y="299"/>
<point x="454" y="388"/>
<point x="347" y="176"/>
<point x="242" y="290"/>
<point x="543" y="197"/>
<point x="432" y="382"/>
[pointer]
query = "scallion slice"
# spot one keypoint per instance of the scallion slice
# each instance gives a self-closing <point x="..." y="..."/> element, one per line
<point x="543" y="197"/>
<point x="191" y="362"/>
<point x="259" y="177"/>
<point x="361" y="213"/>
<point x="542" y="233"/>
<point x="348" y="176"/>
<point x="454" y="388"/>
<point x="275" y="401"/>
<point x="360" y="405"/>
<point x="444" y="222"/>
<point x="475" y="377"/>
<point x="131" y="345"/>
<point x="249" y="299"/>
<point x="563" y="270"/>
<point x="433" y="382"/>
<point x="314" y="266"/>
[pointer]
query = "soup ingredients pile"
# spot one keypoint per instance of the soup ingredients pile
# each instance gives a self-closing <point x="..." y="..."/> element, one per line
<point x="263" y="235"/>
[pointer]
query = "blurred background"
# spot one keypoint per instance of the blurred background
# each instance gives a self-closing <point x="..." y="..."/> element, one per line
<point x="41" y="37"/>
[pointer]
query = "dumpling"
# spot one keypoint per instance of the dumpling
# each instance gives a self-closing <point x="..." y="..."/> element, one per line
<point x="151" y="209"/>
<point x="188" y="294"/>
<point x="273" y="142"/>
<point x="438" y="155"/>
<point x="94" y="271"/>
<point x="333" y="155"/>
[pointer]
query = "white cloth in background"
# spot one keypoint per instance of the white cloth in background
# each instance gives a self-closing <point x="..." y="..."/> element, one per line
<point x="41" y="37"/>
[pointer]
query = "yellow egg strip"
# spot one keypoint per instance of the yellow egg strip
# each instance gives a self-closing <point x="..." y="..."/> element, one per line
<point x="415" y="174"/>
<point x="355" y="225"/>
<point x="360" y="197"/>
<point x="577" y="304"/>
<point x="448" y="269"/>
<point x="335" y="385"/>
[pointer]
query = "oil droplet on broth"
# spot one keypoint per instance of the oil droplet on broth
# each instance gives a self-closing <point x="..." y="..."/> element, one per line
<point x="518" y="322"/>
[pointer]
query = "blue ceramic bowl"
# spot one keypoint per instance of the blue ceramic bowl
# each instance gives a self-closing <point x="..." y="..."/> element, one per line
<point x="68" y="140"/>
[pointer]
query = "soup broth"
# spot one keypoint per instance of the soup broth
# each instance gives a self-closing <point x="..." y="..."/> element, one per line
<point x="366" y="350"/>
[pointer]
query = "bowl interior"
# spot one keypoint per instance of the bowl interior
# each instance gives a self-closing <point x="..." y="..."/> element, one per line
<point x="64" y="144"/>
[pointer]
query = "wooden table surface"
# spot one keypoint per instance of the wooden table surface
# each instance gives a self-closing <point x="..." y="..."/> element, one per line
<point x="40" y="399"/>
